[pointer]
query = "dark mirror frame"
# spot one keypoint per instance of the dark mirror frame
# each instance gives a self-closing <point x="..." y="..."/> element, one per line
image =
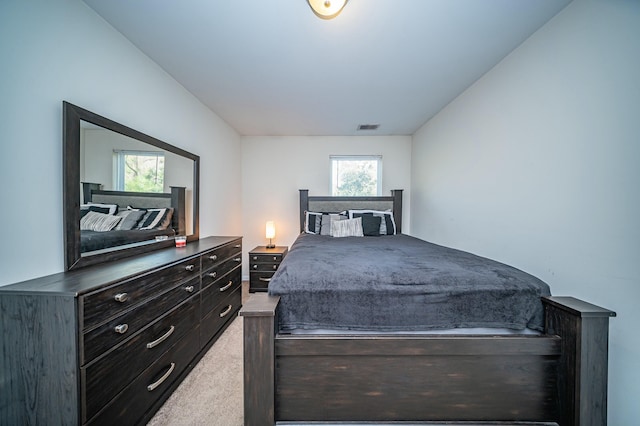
<point x="72" y="116"/>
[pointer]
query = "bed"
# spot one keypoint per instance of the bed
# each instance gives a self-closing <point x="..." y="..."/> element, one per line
<point x="546" y="363"/>
<point x="96" y="200"/>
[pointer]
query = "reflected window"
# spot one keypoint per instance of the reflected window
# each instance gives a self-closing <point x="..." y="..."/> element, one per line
<point x="138" y="171"/>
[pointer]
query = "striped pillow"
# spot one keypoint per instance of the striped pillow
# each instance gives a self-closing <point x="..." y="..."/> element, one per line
<point x="312" y="223"/>
<point x="347" y="228"/>
<point x="100" y="222"/>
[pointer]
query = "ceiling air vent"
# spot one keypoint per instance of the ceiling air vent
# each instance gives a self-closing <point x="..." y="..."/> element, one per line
<point x="368" y="126"/>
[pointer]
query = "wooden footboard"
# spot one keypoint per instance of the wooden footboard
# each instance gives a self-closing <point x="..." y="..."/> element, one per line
<point x="558" y="377"/>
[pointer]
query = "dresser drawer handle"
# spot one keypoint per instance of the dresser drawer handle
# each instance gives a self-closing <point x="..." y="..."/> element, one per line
<point x="255" y="257"/>
<point x="237" y="259"/>
<point x="266" y="280"/>
<point x="255" y="266"/>
<point x="213" y="257"/>
<point x="189" y="289"/>
<point x="212" y="274"/>
<point x="190" y="268"/>
<point x="226" y="286"/>
<point x="161" y="339"/>
<point x="154" y="385"/>
<point x="275" y="257"/>
<point x="121" y="328"/>
<point x="121" y="297"/>
<point x="226" y="311"/>
<point x="238" y="245"/>
<point x="275" y="267"/>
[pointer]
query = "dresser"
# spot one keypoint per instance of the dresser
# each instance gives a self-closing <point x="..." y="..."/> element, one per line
<point x="109" y="343"/>
<point x="263" y="263"/>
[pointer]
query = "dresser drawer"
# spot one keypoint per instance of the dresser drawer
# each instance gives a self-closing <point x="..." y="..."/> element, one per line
<point x="108" y="375"/>
<point x="136" y="399"/>
<point x="265" y="258"/>
<point x="119" y="329"/>
<point x="218" y="271"/>
<point x="220" y="254"/>
<point x="223" y="312"/>
<point x="214" y="294"/>
<point x="99" y="306"/>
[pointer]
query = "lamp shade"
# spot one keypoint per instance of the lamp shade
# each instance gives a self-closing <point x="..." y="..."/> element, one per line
<point x="270" y="230"/>
<point x="327" y="9"/>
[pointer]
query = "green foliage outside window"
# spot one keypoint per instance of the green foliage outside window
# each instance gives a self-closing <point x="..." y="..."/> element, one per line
<point x="355" y="177"/>
<point x="142" y="172"/>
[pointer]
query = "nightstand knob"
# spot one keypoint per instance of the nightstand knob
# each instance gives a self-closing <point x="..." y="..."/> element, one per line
<point x="190" y="268"/>
<point x="213" y="257"/>
<point x="121" y="297"/>
<point x="255" y="266"/>
<point x="255" y="257"/>
<point x="275" y="267"/>
<point x="275" y="257"/>
<point x="121" y="328"/>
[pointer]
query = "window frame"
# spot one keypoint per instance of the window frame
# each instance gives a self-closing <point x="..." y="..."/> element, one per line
<point x="119" y="161"/>
<point x="368" y="157"/>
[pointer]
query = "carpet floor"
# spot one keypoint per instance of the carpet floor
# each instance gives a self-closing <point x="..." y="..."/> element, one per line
<point x="211" y="394"/>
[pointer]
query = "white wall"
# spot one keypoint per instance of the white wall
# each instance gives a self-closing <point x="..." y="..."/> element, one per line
<point x="55" y="50"/>
<point x="275" y="168"/>
<point x="536" y="165"/>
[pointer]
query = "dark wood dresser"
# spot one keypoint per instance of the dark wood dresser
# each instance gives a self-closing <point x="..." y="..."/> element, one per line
<point x="109" y="343"/>
<point x="263" y="263"/>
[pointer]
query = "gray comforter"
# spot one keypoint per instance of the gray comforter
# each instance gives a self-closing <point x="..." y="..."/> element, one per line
<point x="400" y="283"/>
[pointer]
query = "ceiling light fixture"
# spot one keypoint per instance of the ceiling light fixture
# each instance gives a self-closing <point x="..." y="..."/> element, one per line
<point x="326" y="9"/>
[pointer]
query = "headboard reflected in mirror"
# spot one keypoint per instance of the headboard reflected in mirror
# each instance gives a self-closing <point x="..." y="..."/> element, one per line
<point x="125" y="192"/>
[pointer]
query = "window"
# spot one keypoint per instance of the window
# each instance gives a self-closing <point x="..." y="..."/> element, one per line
<point x="356" y="175"/>
<point x="139" y="171"/>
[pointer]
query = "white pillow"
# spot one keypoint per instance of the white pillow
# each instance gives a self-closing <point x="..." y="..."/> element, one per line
<point x="94" y="221"/>
<point x="347" y="228"/>
<point x="328" y="219"/>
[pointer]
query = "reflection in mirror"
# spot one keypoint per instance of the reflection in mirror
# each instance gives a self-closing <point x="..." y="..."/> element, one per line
<point x="120" y="163"/>
<point x="125" y="192"/>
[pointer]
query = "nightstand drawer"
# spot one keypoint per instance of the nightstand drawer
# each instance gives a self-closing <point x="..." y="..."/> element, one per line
<point x="265" y="258"/>
<point x="259" y="281"/>
<point x="264" y="267"/>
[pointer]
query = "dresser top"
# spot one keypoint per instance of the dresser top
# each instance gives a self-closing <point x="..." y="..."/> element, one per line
<point x="79" y="281"/>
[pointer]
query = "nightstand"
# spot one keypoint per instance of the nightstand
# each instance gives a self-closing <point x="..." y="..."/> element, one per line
<point x="263" y="263"/>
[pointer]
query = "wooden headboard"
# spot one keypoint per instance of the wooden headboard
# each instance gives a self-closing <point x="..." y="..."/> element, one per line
<point x="330" y="204"/>
<point x="91" y="192"/>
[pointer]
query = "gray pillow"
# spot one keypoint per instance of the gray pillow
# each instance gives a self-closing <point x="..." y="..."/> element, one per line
<point x="130" y="219"/>
<point x="327" y="219"/>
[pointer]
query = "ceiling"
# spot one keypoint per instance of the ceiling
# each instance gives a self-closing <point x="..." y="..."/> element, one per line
<point x="274" y="68"/>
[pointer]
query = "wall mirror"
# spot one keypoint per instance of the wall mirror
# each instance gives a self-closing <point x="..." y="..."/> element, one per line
<point x="125" y="193"/>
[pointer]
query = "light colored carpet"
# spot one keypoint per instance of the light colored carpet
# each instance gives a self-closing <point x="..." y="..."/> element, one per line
<point x="212" y="393"/>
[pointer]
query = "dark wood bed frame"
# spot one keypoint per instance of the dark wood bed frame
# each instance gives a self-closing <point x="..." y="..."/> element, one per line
<point x="92" y="192"/>
<point x="559" y="377"/>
